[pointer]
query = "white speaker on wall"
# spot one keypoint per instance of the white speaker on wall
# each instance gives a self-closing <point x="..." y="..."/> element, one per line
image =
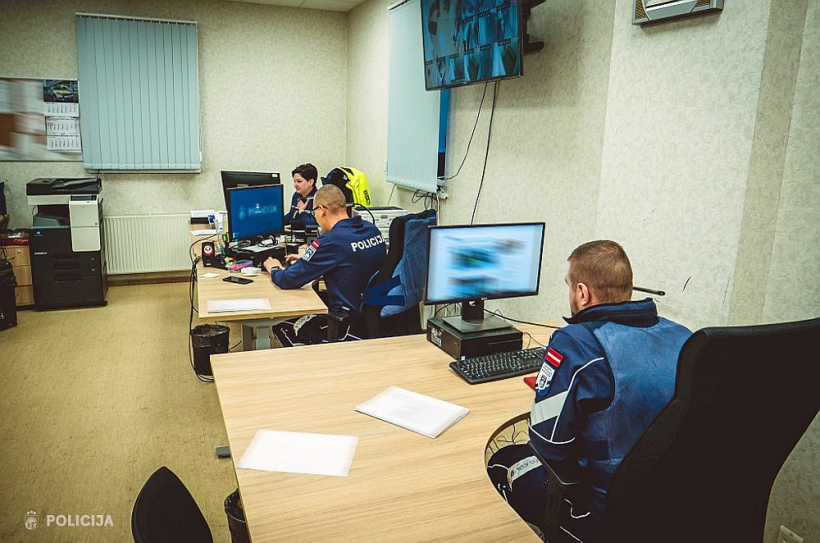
<point x="654" y="10"/>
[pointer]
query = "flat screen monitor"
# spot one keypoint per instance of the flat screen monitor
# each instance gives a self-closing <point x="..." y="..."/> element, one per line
<point x="470" y="264"/>
<point x="471" y="41"/>
<point x="247" y="179"/>
<point x="255" y="212"/>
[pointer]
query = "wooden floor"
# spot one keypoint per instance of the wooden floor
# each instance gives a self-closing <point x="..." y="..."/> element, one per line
<point x="95" y="400"/>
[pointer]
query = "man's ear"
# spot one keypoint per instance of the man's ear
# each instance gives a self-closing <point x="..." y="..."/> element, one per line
<point x="584" y="295"/>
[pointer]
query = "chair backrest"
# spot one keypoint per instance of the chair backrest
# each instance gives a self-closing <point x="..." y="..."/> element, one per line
<point x="165" y="512"/>
<point x="704" y="469"/>
<point x="383" y="285"/>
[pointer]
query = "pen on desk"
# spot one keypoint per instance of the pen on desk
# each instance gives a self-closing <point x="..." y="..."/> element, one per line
<point x="649" y="291"/>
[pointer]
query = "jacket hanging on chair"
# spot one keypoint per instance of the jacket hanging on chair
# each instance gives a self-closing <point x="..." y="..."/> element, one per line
<point x="353" y="184"/>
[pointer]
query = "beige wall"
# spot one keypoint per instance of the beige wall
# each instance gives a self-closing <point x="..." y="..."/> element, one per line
<point x="694" y="142"/>
<point x="272" y="94"/>
<point x="544" y="161"/>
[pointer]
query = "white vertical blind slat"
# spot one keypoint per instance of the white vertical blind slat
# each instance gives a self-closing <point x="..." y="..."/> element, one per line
<point x="139" y="93"/>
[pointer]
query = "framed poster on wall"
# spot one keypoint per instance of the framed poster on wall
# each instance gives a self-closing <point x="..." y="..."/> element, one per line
<point x="39" y="120"/>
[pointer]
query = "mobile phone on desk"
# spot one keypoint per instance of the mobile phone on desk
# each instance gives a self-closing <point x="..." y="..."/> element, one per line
<point x="235" y="279"/>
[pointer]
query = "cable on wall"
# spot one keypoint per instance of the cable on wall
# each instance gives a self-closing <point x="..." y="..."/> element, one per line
<point x="486" y="152"/>
<point x="470" y="141"/>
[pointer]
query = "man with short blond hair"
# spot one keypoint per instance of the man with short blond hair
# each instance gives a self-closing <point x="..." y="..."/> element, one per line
<point x="604" y="378"/>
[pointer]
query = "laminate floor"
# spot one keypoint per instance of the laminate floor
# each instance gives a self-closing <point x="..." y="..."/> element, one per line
<point x="92" y="402"/>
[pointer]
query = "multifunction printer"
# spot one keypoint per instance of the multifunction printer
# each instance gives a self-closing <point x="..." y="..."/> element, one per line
<point x="67" y="243"/>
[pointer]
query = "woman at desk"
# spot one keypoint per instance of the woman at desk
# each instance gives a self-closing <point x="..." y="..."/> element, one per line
<point x="304" y="183"/>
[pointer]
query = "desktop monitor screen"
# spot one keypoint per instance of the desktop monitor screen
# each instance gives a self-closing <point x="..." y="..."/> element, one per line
<point x="255" y="211"/>
<point x="232" y="180"/>
<point x="480" y="262"/>
<point x="470" y="41"/>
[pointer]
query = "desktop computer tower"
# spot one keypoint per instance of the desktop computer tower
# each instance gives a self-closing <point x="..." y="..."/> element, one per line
<point x="64" y="278"/>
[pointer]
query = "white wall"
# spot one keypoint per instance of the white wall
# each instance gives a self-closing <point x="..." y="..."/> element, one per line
<point x="273" y="94"/>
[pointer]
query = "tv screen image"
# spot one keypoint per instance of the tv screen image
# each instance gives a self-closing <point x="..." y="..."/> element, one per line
<point x="255" y="211"/>
<point x="470" y="41"/>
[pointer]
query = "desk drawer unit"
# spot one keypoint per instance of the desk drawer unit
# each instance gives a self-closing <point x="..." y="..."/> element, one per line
<point x="20" y="260"/>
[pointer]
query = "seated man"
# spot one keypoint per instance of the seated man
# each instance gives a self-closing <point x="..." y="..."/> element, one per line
<point x="348" y="253"/>
<point x="605" y="377"/>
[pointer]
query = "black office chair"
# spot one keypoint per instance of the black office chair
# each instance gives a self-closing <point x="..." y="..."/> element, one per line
<point x="165" y="512"/>
<point x="391" y="286"/>
<point x="704" y="468"/>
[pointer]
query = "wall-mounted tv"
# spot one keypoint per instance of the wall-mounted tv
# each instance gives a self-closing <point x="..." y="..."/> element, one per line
<point x="471" y="41"/>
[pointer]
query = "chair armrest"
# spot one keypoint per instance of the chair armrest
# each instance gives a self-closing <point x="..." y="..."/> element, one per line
<point x="335" y="321"/>
<point x="557" y="487"/>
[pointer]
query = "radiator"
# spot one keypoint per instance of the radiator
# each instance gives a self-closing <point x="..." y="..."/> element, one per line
<point x="147" y="243"/>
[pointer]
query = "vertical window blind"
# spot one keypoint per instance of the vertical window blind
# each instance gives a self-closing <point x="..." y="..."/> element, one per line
<point x="139" y="93"/>
<point x="416" y="118"/>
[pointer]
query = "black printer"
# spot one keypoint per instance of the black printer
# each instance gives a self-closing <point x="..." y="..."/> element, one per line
<point x="74" y="185"/>
<point x="67" y="243"/>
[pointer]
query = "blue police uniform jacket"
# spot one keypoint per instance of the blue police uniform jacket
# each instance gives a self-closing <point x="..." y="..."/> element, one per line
<point x="303" y="219"/>
<point x="347" y="256"/>
<point x="605" y="378"/>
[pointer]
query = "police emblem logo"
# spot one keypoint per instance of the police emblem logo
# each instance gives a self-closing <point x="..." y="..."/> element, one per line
<point x="542" y="382"/>
<point x="31" y="520"/>
<point x="311" y="249"/>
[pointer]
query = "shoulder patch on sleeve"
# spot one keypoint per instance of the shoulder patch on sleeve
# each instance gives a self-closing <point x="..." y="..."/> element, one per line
<point x="311" y="249"/>
<point x="553" y="357"/>
<point x="542" y="382"/>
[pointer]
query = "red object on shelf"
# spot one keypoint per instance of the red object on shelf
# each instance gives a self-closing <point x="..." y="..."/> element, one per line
<point x="14" y="239"/>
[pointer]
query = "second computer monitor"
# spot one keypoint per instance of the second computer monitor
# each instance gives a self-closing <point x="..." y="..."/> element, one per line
<point x="478" y="262"/>
<point x="247" y="179"/>
<point x="255" y="212"/>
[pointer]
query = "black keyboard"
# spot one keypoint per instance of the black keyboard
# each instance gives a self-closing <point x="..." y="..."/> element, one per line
<point x="493" y="367"/>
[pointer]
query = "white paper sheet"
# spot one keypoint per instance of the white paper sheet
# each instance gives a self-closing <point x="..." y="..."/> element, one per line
<point x="244" y="304"/>
<point x="417" y="412"/>
<point x="205" y="232"/>
<point x="209" y="275"/>
<point x="294" y="452"/>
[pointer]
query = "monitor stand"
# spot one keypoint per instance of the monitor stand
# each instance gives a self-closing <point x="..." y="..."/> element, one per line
<point x="472" y="319"/>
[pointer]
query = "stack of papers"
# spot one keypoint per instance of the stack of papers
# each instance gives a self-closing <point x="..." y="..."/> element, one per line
<point x="295" y="452"/>
<point x="244" y="304"/>
<point x="417" y="412"/>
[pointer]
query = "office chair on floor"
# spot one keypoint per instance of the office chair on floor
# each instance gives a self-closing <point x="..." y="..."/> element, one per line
<point x="393" y="294"/>
<point x="703" y="470"/>
<point x="165" y="512"/>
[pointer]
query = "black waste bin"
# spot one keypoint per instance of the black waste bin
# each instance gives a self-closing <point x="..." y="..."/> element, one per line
<point x="208" y="339"/>
<point x="236" y="519"/>
<point x="8" y="305"/>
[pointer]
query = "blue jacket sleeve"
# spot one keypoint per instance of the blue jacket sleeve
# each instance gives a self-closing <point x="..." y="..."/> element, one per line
<point x="288" y="219"/>
<point x="308" y="268"/>
<point x="303" y="219"/>
<point x="575" y="380"/>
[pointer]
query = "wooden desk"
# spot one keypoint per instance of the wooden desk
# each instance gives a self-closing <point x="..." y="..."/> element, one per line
<point x="402" y="487"/>
<point x="255" y="324"/>
<point x="284" y="303"/>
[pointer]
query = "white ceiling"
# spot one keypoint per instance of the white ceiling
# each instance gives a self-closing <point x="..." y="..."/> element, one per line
<point x="328" y="5"/>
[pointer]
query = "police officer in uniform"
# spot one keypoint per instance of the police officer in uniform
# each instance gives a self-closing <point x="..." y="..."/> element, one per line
<point x="348" y="253"/>
<point x="300" y="215"/>
<point x="604" y="378"/>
